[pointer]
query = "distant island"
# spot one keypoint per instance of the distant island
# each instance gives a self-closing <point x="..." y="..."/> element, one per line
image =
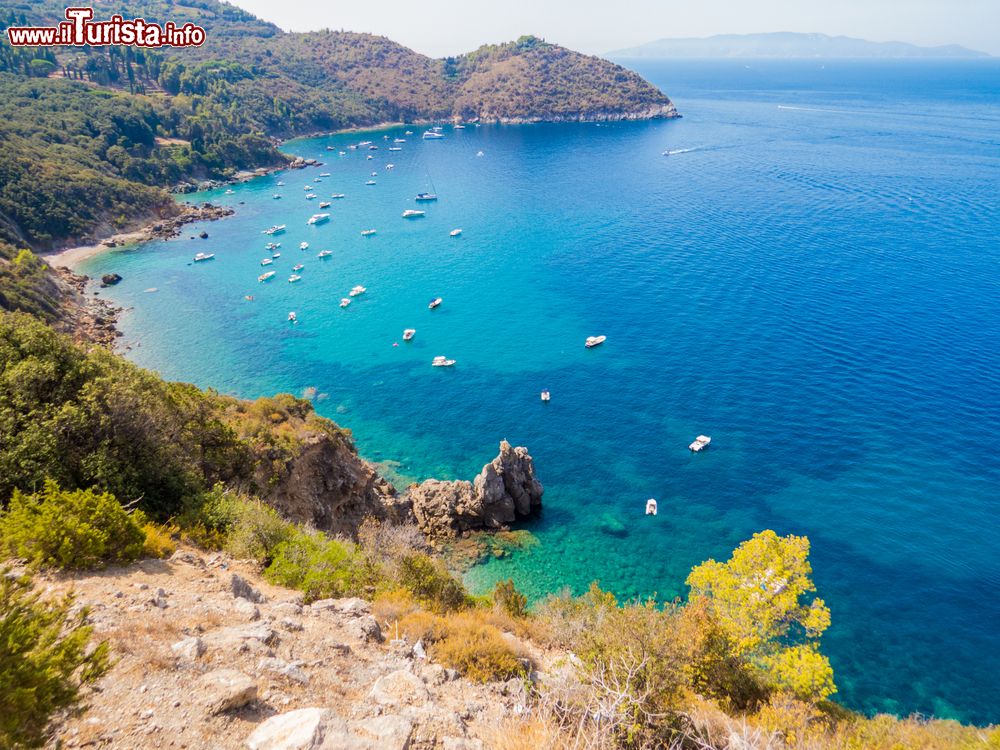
<point x="787" y="44"/>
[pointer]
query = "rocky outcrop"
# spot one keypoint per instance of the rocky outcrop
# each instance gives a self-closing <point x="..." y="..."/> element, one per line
<point x="328" y="485"/>
<point x="504" y="491"/>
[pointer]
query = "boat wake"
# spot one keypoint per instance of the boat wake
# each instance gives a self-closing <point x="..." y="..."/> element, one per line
<point x="676" y="151"/>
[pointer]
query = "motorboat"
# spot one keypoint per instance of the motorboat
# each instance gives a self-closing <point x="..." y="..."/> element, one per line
<point x="338" y="196"/>
<point x="390" y="166"/>
<point x="374" y="174"/>
<point x="303" y="246"/>
<point x="281" y="183"/>
<point x="298" y="267"/>
<point x="480" y="153"/>
<point x="365" y="143"/>
<point x="324" y="174"/>
<point x="276" y="229"/>
<point x="651" y="507"/>
<point x="408" y="333"/>
<point x="345" y="302"/>
<point x="318" y="218"/>
<point x="324" y="204"/>
<point x="230" y="192"/>
<point x="324" y="253"/>
<point x="593" y="341"/>
<point x="367" y="232"/>
<point x="293" y="278"/>
<point x="408" y="132"/>
<point x="455" y="233"/>
<point x="395" y="148"/>
<point x="434" y="303"/>
<point x="272" y="246"/>
<point x="700" y="443"/>
<point x="546" y="396"/>
<point x="199" y="257"/>
<point x="292" y="318"/>
<point x="430" y="135"/>
<point x="355" y="291"/>
<point x="425" y="197"/>
<point x="369" y="157"/>
<point x="442" y="362"/>
<point x="266" y="276"/>
<point x="399" y="140"/>
<point x="307" y="188"/>
<point x="276" y="197"/>
<point x="275" y="255"/>
<point x="412" y="214"/>
<point x="370" y="182"/>
<point x="311" y="197"/>
<point x="266" y="262"/>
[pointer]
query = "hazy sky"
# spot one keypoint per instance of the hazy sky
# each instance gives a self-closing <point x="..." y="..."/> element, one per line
<point x="443" y="27"/>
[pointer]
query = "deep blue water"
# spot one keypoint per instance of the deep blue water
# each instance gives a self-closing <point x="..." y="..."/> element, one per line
<point x="813" y="279"/>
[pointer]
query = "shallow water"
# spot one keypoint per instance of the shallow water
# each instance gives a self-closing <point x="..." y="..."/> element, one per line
<point x="811" y="278"/>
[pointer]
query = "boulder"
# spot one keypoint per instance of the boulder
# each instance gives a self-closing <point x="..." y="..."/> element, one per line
<point x="400" y="688"/>
<point x="302" y="729"/>
<point x="389" y="732"/>
<point x="110" y="279"/>
<point x="242" y="589"/>
<point x="188" y="649"/>
<point x="224" y="690"/>
<point x="504" y="491"/>
<point x="246" y="610"/>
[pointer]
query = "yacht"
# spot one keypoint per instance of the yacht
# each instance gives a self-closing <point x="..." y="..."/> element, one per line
<point x="408" y="132"/>
<point x="324" y="253"/>
<point x="399" y="140"/>
<point x="199" y="257"/>
<point x="311" y="196"/>
<point x="307" y="188"/>
<point x="408" y="333"/>
<point x="460" y="127"/>
<point x="324" y="174"/>
<point x="442" y="362"/>
<point x="425" y="197"/>
<point x="345" y="302"/>
<point x="337" y="196"/>
<point x="430" y="135"/>
<point x="266" y="262"/>
<point x="318" y="218"/>
<point x="365" y="143"/>
<point x="434" y="303"/>
<point x="293" y="278"/>
<point x="303" y="246"/>
<point x="324" y="204"/>
<point x="700" y="443"/>
<point x="373" y="148"/>
<point x="266" y="276"/>
<point x="272" y="246"/>
<point x="276" y="229"/>
<point x="411" y="213"/>
<point x="395" y="148"/>
<point x="275" y="255"/>
<point x="593" y="341"/>
<point x="370" y="182"/>
<point x="298" y="267"/>
<point x="355" y="291"/>
<point x="369" y="157"/>
<point x="367" y="232"/>
<point x="454" y="232"/>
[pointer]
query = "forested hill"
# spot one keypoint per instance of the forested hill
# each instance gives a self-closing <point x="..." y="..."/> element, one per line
<point x="90" y="137"/>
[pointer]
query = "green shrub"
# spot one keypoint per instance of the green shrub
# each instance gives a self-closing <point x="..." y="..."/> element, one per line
<point x="431" y="583"/>
<point x="256" y="531"/>
<point x="318" y="566"/>
<point x="75" y="529"/>
<point x="509" y="599"/>
<point x="44" y="660"/>
<point x="476" y="649"/>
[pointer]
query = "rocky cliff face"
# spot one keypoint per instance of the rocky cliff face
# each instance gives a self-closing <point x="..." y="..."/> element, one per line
<point x="330" y="487"/>
<point x="505" y="490"/>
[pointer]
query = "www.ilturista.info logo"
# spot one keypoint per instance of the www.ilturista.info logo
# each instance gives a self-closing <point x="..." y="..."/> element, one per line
<point x="80" y="30"/>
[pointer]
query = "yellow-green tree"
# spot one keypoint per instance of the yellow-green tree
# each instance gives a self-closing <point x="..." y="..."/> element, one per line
<point x="762" y="598"/>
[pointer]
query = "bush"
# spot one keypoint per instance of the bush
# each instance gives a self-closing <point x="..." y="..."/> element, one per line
<point x="159" y="541"/>
<point x="44" y="660"/>
<point x="255" y="531"/>
<point x="431" y="584"/>
<point x="476" y="649"/>
<point x="509" y="599"/>
<point x="318" y="566"/>
<point x="75" y="529"/>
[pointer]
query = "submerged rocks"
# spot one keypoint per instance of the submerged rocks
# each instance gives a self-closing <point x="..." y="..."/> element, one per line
<point x="505" y="490"/>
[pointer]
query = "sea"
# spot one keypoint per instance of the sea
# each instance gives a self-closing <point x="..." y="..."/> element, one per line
<point x="805" y="267"/>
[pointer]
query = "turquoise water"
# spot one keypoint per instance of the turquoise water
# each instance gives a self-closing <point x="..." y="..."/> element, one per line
<point x="812" y="279"/>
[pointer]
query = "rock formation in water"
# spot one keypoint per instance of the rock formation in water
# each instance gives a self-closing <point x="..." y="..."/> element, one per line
<point x="504" y="491"/>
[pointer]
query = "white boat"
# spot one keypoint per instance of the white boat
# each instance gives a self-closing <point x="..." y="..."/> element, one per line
<point x="370" y="157"/>
<point x="230" y="192"/>
<point x="353" y="148"/>
<point x="275" y="255"/>
<point x="412" y="214"/>
<point x="430" y="135"/>
<point x="345" y="302"/>
<point x="479" y="153"/>
<point x="399" y="140"/>
<point x="442" y="362"/>
<point x="365" y="143"/>
<point x="546" y="396"/>
<point x="700" y="443"/>
<point x="373" y="148"/>
<point x="593" y="341"/>
<point x="281" y="183"/>
<point x="276" y="197"/>
<point x="324" y="253"/>
<point x="324" y="204"/>
<point x="292" y="318"/>
<point x="318" y="218"/>
<point x="307" y="188"/>
<point x="367" y="232"/>
<point x="341" y="153"/>
<point x="390" y="166"/>
<point x="355" y="291"/>
<point x="374" y="174"/>
<point x="324" y="174"/>
<point x="395" y="148"/>
<point x="311" y="197"/>
<point x="408" y="333"/>
<point x="303" y="246"/>
<point x="298" y="267"/>
<point x="199" y="257"/>
<point x="276" y="229"/>
<point x="266" y="276"/>
<point x="266" y="262"/>
<point x="434" y="303"/>
<point x="425" y="197"/>
<point x="293" y="278"/>
<point x="460" y="127"/>
<point x="370" y="182"/>
<point x="651" y="507"/>
<point x="408" y="132"/>
<point x="272" y="246"/>
<point x="454" y="232"/>
<point x="337" y="196"/>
